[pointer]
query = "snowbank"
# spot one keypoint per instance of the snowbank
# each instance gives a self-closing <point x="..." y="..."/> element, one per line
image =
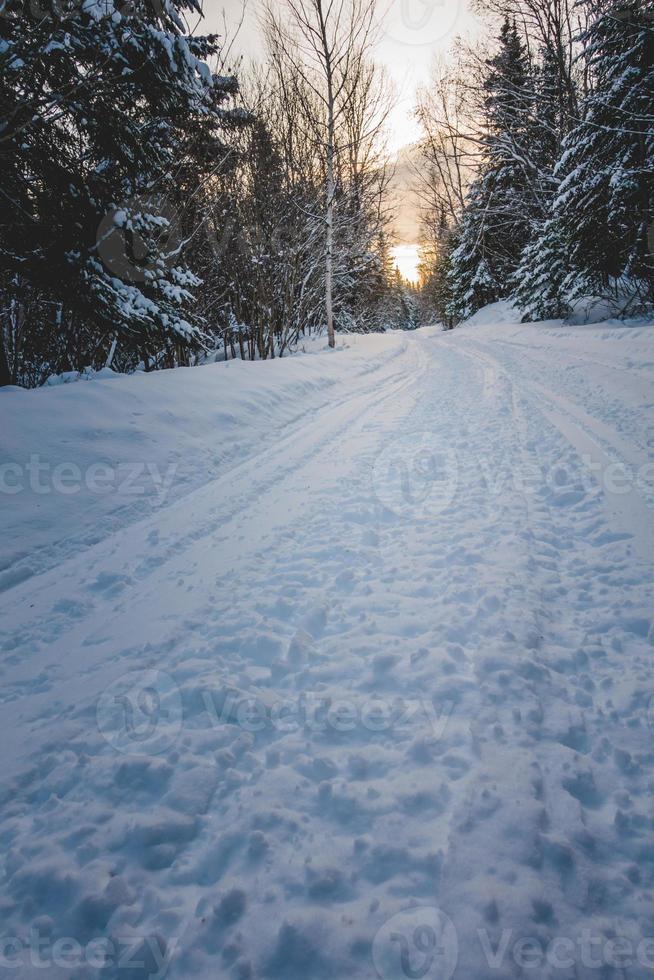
<point x="80" y="460"/>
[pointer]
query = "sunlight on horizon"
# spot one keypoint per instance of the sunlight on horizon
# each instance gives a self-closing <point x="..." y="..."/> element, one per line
<point x="405" y="260"/>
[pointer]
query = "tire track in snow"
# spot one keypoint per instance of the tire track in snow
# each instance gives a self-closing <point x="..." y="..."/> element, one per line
<point x="127" y="577"/>
<point x="28" y="565"/>
<point x="588" y="436"/>
<point x="576" y="745"/>
<point x="287" y="853"/>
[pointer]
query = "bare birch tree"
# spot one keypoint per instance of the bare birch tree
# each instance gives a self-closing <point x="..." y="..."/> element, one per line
<point x="322" y="48"/>
<point x="450" y="142"/>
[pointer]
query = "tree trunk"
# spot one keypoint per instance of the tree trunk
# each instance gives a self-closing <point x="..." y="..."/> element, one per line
<point x="329" y="250"/>
<point x="329" y="219"/>
<point x="5" y="374"/>
<point x="112" y="351"/>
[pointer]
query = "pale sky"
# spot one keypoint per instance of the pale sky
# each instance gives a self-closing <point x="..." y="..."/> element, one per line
<point x="412" y="32"/>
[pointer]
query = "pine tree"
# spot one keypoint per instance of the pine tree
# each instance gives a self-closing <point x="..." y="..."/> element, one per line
<point x="536" y="281"/>
<point x="435" y="269"/>
<point x="495" y="224"/>
<point x="98" y="104"/>
<point x="471" y="280"/>
<point x="596" y="238"/>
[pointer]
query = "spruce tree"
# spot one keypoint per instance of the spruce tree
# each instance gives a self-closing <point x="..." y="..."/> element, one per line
<point x="536" y="281"/>
<point x="495" y="224"/>
<point x="596" y="240"/>
<point x="434" y="268"/>
<point x="98" y="104"/>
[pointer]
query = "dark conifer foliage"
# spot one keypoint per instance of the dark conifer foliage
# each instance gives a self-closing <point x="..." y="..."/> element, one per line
<point x="560" y="203"/>
<point x="495" y="224"/>
<point x="153" y="216"/>
<point x="598" y="236"/>
<point x="101" y="108"/>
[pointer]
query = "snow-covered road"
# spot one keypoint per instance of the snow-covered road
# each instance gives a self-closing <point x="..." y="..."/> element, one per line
<point x="374" y="700"/>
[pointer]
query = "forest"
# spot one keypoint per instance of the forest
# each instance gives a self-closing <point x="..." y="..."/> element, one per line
<point x="539" y="163"/>
<point x="162" y="209"/>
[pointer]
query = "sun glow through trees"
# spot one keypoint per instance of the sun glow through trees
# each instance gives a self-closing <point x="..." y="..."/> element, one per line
<point x="405" y="260"/>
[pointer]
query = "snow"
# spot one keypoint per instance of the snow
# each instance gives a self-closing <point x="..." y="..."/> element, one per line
<point x="159" y="435"/>
<point x="360" y="687"/>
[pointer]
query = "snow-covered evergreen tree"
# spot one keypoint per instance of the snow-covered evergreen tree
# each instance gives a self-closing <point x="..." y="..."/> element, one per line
<point x="536" y="281"/>
<point x="98" y="103"/>
<point x="433" y="270"/>
<point x="495" y="224"/>
<point x="596" y="239"/>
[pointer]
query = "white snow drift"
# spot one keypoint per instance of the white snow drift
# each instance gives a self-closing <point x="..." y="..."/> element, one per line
<point x="362" y="689"/>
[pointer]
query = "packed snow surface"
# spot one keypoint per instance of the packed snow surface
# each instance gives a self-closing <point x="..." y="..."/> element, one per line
<point x="338" y="666"/>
